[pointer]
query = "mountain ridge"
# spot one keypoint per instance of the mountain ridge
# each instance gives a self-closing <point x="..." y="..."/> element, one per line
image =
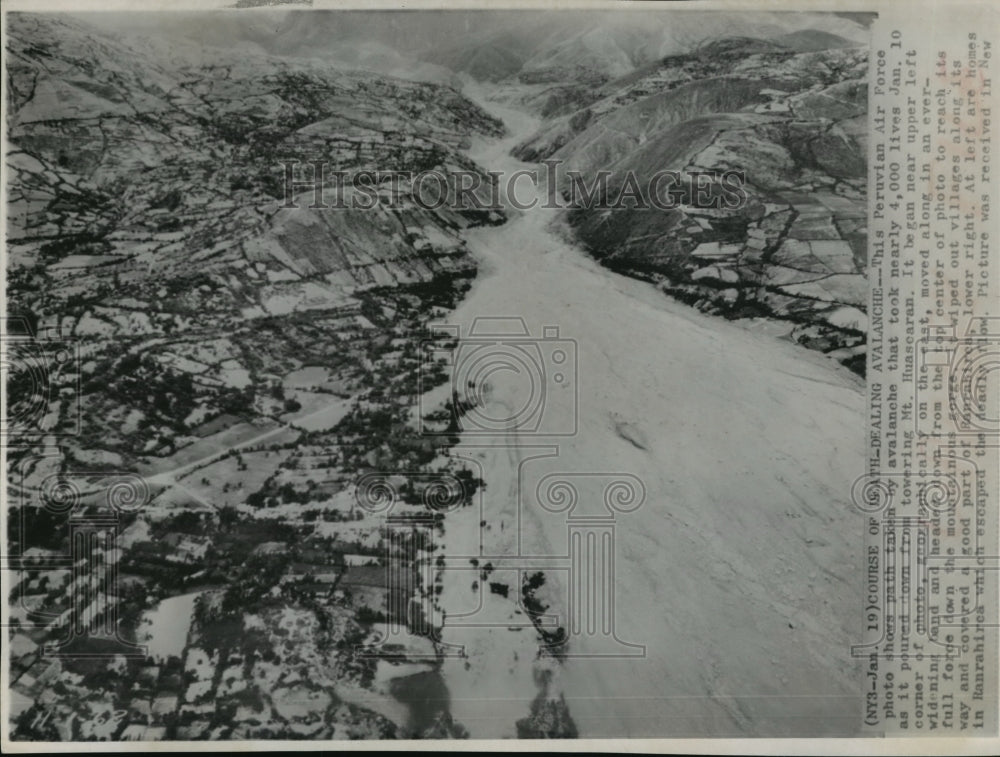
<point x="793" y="124"/>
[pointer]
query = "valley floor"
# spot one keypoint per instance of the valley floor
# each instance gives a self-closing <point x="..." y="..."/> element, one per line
<point x="739" y="573"/>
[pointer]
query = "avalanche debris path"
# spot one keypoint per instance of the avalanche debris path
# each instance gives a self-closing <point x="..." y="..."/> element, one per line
<point x="744" y="596"/>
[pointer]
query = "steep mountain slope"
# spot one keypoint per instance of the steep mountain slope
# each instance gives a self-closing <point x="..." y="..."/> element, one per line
<point x="146" y="194"/>
<point x="593" y="47"/>
<point x="793" y="123"/>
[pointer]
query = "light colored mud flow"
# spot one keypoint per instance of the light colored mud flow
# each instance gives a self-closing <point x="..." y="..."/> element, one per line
<point x="739" y="571"/>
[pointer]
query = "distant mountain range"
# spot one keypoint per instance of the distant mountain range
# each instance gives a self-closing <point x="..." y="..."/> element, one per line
<point x="489" y="45"/>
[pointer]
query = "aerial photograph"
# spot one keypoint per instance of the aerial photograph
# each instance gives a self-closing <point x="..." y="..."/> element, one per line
<point x="452" y="374"/>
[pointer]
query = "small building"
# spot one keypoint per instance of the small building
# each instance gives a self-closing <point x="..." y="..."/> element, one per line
<point x="164" y="706"/>
<point x="270" y="548"/>
<point x="186" y="548"/>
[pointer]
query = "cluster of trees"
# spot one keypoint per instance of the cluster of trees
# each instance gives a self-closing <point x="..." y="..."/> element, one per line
<point x="253" y="580"/>
<point x="384" y="430"/>
<point x="272" y="495"/>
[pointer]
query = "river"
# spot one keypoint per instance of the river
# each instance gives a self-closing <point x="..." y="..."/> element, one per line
<point x="739" y="573"/>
